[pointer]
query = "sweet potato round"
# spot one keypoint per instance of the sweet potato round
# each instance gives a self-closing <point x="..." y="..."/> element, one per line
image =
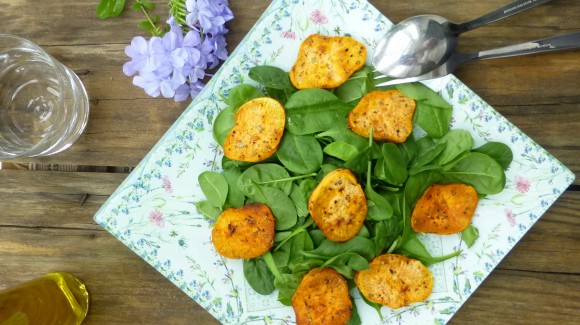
<point x="395" y="281"/>
<point x="338" y="205"/>
<point x="246" y="232"/>
<point x="445" y="209"/>
<point x="322" y="298"/>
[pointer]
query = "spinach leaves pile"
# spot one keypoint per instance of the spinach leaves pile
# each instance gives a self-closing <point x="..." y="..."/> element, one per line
<point x="316" y="141"/>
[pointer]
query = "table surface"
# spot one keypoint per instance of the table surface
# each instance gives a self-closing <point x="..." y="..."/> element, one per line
<point x="47" y="204"/>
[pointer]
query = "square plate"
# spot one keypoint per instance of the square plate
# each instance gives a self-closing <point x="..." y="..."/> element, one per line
<point x="153" y="210"/>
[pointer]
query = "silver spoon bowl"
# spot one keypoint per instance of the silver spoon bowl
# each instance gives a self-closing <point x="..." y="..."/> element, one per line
<point x="422" y="43"/>
<point x="563" y="42"/>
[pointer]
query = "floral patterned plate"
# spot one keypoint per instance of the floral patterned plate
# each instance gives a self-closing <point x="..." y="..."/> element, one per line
<point x="153" y="210"/>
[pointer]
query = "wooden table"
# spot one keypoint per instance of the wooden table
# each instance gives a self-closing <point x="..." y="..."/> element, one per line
<point x="47" y="204"/>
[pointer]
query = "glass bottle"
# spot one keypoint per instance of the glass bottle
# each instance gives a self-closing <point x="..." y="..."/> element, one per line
<point x="53" y="299"/>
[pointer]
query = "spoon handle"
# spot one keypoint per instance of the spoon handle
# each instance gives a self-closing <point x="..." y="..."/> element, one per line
<point x="510" y="9"/>
<point x="555" y="43"/>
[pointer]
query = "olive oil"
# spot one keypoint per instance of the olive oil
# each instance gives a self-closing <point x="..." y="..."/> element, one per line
<point x="53" y="299"/>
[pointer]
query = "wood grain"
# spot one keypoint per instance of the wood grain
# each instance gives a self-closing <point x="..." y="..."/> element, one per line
<point x="46" y="216"/>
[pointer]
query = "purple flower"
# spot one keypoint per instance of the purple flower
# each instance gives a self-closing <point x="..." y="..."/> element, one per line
<point x="175" y="64"/>
<point x="210" y="15"/>
<point x="141" y="56"/>
<point x="154" y="85"/>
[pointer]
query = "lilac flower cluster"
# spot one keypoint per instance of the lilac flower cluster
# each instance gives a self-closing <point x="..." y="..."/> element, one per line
<point x="175" y="64"/>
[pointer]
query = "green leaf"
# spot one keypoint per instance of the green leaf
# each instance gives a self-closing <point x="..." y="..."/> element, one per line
<point x="110" y="8"/>
<point x="149" y="5"/>
<point x="313" y="110"/>
<point x="434" y="120"/>
<point x="280" y="204"/>
<point x="208" y="210"/>
<point x="478" y="170"/>
<point x="146" y="25"/>
<point x="456" y="142"/>
<point x="236" y="197"/>
<point x="341" y="133"/>
<point x="241" y="94"/>
<point x="271" y="175"/>
<point x="300" y="154"/>
<point x="328" y="249"/>
<point x="358" y="85"/>
<point x="215" y="187"/>
<point x="223" y="124"/>
<point x="271" y="77"/>
<point x="414" y="248"/>
<point x="470" y="235"/>
<point x="259" y="276"/>
<point x="499" y="152"/>
<point x="391" y="167"/>
<point x="341" y="150"/>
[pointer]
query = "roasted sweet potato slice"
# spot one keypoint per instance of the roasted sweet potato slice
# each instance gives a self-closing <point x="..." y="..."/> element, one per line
<point x="388" y="113"/>
<point x="338" y="205"/>
<point x="327" y="62"/>
<point x="257" y="131"/>
<point x="246" y="232"/>
<point x="395" y="281"/>
<point x="445" y="209"/>
<point x="322" y="298"/>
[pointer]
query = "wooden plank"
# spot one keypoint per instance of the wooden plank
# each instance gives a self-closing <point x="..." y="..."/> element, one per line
<point x="45" y="199"/>
<point x="125" y="290"/>
<point x="506" y="295"/>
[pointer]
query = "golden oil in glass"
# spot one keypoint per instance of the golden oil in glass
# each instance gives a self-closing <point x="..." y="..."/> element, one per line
<point x="53" y="299"/>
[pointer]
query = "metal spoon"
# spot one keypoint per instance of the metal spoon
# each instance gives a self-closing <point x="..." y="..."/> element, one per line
<point x="420" y="44"/>
<point x="555" y="43"/>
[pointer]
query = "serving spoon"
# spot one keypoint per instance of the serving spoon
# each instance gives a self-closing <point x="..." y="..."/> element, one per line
<point x="555" y="43"/>
<point x="420" y="44"/>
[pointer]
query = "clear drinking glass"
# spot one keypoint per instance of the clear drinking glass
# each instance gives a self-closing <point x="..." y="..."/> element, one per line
<point x="44" y="107"/>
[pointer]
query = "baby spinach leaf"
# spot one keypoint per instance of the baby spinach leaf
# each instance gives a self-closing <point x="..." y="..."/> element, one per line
<point x="313" y="110"/>
<point x="433" y="113"/>
<point x="354" y="316"/>
<point x="341" y="133"/>
<point x="470" y="235"/>
<point x="414" y="248"/>
<point x="417" y="184"/>
<point x="420" y="92"/>
<point x="456" y="142"/>
<point x="341" y="150"/>
<point x="259" y="276"/>
<point x="280" y="204"/>
<point x="223" y="124"/>
<point x="391" y="167"/>
<point x="208" y="210"/>
<point x="478" y="170"/>
<point x="287" y="285"/>
<point x="358" y="85"/>
<point x="409" y="149"/>
<point x="300" y="154"/>
<point x="427" y="151"/>
<point x="432" y="119"/>
<point x="499" y="152"/>
<point x="327" y="249"/>
<point x="380" y="208"/>
<point x="241" y="94"/>
<point x="235" y="198"/>
<point x="418" y="169"/>
<point x="215" y="187"/>
<point x="271" y="77"/>
<point x="272" y="175"/>
<point x="385" y="232"/>
<point x="300" y="194"/>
